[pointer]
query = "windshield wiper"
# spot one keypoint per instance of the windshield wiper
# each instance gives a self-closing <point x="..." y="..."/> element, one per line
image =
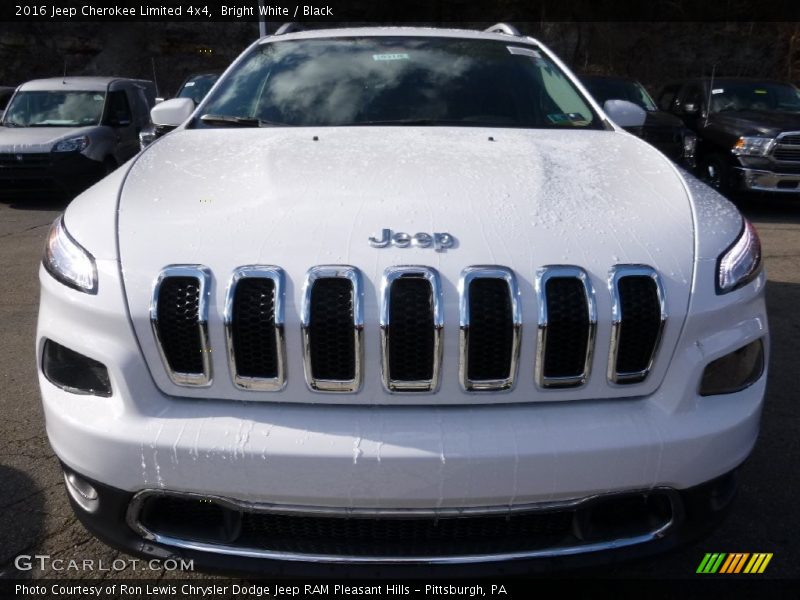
<point x="237" y="121"/>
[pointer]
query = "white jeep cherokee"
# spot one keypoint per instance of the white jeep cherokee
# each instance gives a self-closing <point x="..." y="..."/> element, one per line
<point x="400" y="295"/>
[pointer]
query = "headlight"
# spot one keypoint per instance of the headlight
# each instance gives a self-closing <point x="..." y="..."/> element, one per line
<point x="67" y="261"/>
<point x="752" y="146"/>
<point x="740" y="263"/>
<point x="75" y="144"/>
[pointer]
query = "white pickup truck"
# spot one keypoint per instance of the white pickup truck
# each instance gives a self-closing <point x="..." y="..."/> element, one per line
<point x="400" y="296"/>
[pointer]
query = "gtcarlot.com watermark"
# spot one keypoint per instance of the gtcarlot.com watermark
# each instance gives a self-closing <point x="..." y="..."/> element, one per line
<point x="46" y="563"/>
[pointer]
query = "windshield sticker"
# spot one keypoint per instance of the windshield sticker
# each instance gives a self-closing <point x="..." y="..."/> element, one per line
<point x="390" y="57"/>
<point x="760" y="91"/>
<point x="523" y="51"/>
<point x="717" y="91"/>
<point x="189" y="84"/>
<point x="97" y="97"/>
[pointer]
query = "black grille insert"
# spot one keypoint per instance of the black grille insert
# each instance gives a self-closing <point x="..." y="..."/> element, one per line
<point x="412" y="536"/>
<point x="491" y="330"/>
<point x="178" y="324"/>
<point x="331" y="330"/>
<point x="255" y="345"/>
<point x="411" y="330"/>
<point x="639" y="327"/>
<point x="568" y="329"/>
<point x="786" y="153"/>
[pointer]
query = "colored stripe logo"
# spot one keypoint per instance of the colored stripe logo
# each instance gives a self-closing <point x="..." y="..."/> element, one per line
<point x="735" y="562"/>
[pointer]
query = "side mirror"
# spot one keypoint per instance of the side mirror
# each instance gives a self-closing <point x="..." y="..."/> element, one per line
<point x="624" y="113"/>
<point x="172" y="113"/>
<point x="690" y="108"/>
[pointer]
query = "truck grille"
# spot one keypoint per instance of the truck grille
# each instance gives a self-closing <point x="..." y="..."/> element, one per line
<point x="25" y="160"/>
<point x="411" y="327"/>
<point x="787" y="147"/>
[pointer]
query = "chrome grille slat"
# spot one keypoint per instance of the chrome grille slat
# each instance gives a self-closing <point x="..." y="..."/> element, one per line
<point x="187" y="323"/>
<point x="345" y="350"/>
<point x="263" y="334"/>
<point x="787" y="147"/>
<point x="647" y="327"/>
<point x="504" y="341"/>
<point x="403" y="370"/>
<point x="557" y="334"/>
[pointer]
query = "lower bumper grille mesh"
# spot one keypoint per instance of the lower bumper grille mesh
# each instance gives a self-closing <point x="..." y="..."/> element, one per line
<point x="370" y="536"/>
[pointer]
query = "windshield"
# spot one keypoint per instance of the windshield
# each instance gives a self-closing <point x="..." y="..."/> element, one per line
<point x="55" y="109"/>
<point x="399" y="80"/>
<point x="197" y="87"/>
<point x="745" y="95"/>
<point x="619" y="89"/>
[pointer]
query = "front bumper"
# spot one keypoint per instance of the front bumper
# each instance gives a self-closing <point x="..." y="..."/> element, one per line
<point x="755" y="180"/>
<point x="66" y="173"/>
<point x="692" y="513"/>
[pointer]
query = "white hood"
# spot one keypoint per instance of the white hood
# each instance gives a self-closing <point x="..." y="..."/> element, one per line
<point x="37" y="139"/>
<point x="298" y="197"/>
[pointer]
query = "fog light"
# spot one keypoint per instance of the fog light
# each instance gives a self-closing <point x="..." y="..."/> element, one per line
<point x="82" y="492"/>
<point x="735" y="371"/>
<point x="74" y="372"/>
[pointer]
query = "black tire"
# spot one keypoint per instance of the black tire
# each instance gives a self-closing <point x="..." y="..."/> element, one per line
<point x="717" y="174"/>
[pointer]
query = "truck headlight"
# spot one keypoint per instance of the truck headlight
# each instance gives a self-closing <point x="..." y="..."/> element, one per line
<point x="74" y="144"/>
<point x="67" y="261"/>
<point x="741" y="262"/>
<point x="752" y="146"/>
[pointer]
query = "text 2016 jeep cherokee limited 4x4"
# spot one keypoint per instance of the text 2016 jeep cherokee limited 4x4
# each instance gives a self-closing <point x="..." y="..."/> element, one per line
<point x="398" y="295"/>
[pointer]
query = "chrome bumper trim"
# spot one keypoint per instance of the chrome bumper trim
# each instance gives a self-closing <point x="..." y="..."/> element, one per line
<point x="767" y="181"/>
<point x="136" y="504"/>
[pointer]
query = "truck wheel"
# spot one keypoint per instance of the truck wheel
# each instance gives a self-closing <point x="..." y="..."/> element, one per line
<point x="717" y="174"/>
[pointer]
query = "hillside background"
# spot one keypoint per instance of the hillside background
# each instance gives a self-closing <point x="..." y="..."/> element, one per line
<point x="653" y="52"/>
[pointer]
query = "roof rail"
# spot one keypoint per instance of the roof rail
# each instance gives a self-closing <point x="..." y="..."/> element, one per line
<point x="288" y="28"/>
<point x="503" y="28"/>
